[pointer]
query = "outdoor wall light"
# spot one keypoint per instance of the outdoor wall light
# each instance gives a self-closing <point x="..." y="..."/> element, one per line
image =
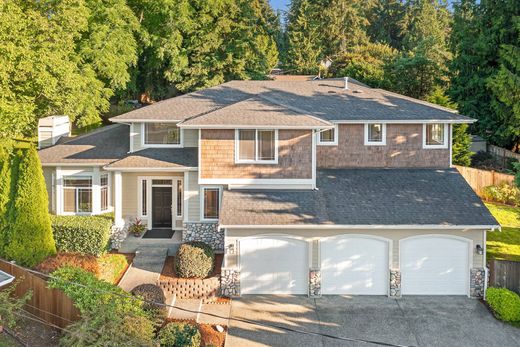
<point x="480" y="250"/>
<point x="231" y="248"/>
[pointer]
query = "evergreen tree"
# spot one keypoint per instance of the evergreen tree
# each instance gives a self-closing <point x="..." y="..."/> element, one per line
<point x="484" y="39"/>
<point x="30" y="237"/>
<point x="384" y="19"/>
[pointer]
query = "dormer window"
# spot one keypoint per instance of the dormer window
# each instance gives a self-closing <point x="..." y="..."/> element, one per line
<point x="435" y="135"/>
<point x="256" y="146"/>
<point x="161" y="135"/>
<point x="328" y="137"/>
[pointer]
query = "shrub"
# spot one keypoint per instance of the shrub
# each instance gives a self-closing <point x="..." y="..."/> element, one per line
<point x="151" y="292"/>
<point x="505" y="304"/>
<point x="503" y="193"/>
<point x="82" y="234"/>
<point x="103" y="327"/>
<point x="137" y="228"/>
<point x="29" y="237"/>
<point x="83" y="261"/>
<point x="194" y="259"/>
<point x="179" y="335"/>
<point x="91" y="294"/>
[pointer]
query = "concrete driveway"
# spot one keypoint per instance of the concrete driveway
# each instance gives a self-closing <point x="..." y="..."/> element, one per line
<point x="410" y="321"/>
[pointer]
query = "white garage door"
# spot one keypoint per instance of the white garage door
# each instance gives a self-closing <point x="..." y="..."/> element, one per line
<point x="434" y="265"/>
<point x="354" y="265"/>
<point x="273" y="266"/>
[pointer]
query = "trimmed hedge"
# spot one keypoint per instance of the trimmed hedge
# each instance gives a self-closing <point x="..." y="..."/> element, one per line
<point x="505" y="304"/>
<point x="179" y="335"/>
<point x="194" y="260"/>
<point x="82" y="234"/>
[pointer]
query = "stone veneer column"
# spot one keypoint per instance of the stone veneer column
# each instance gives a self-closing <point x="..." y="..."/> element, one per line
<point x="395" y="283"/>
<point x="314" y="283"/>
<point x="230" y="282"/>
<point x="477" y="282"/>
<point x="205" y="232"/>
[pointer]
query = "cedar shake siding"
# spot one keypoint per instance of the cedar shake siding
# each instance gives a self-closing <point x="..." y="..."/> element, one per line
<point x="217" y="157"/>
<point x="403" y="149"/>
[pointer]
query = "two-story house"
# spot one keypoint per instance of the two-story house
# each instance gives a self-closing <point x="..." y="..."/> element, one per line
<point x="309" y="187"/>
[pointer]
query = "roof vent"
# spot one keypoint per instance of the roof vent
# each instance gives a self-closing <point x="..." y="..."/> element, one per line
<point x="346" y="83"/>
<point x="357" y="91"/>
<point x="50" y="129"/>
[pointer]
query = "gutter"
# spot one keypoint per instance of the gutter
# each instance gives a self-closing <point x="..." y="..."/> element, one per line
<point x="364" y="226"/>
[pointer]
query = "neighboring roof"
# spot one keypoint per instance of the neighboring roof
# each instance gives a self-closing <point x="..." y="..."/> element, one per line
<point x="5" y="278"/>
<point x="326" y="99"/>
<point x="158" y="158"/>
<point x="255" y="112"/>
<point x="363" y="197"/>
<point x="99" y="147"/>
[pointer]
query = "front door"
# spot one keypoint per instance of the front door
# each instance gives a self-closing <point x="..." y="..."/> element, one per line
<point x="161" y="207"/>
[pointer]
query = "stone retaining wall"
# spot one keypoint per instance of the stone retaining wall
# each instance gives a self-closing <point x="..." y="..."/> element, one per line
<point x="477" y="282"/>
<point x="206" y="289"/>
<point x="205" y="232"/>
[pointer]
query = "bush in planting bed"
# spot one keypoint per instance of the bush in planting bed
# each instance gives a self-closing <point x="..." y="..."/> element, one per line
<point x="152" y="294"/>
<point x="179" y="334"/>
<point x="194" y="260"/>
<point x="505" y="304"/>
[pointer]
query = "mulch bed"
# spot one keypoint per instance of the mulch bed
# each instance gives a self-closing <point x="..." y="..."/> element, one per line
<point x="35" y="334"/>
<point x="208" y="332"/>
<point x="168" y="270"/>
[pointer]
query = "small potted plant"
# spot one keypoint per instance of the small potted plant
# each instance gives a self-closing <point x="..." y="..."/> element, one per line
<point x="137" y="228"/>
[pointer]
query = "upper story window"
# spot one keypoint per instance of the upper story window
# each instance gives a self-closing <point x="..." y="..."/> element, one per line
<point x="375" y="134"/>
<point x="210" y="203"/>
<point x="161" y="134"/>
<point x="328" y="137"/>
<point x="256" y="146"/>
<point x="435" y="135"/>
<point x="77" y="194"/>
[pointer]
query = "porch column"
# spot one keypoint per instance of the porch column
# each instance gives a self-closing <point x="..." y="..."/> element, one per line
<point x="96" y="191"/>
<point x="58" y="181"/>
<point x="118" y="199"/>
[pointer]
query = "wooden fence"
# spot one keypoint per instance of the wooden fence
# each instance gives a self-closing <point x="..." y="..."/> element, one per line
<point x="502" y="152"/>
<point x="505" y="274"/>
<point x="478" y="179"/>
<point x="51" y="305"/>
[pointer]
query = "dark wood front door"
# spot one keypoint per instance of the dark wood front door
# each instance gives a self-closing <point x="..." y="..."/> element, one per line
<point x="161" y="207"/>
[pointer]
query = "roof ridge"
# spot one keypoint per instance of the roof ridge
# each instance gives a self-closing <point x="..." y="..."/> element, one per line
<point x="251" y="96"/>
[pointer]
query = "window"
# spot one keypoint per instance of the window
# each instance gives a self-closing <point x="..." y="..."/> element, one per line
<point x="144" y="210"/>
<point x="179" y="198"/>
<point x="328" y="137"/>
<point x="211" y="205"/>
<point x="256" y="146"/>
<point x="104" y="192"/>
<point x="77" y="194"/>
<point x="435" y="135"/>
<point x="166" y="134"/>
<point x="375" y="134"/>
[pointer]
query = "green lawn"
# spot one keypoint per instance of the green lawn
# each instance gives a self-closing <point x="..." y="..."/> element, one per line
<point x="506" y="244"/>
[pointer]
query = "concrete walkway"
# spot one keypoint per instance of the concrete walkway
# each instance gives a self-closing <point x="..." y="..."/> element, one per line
<point x="146" y="268"/>
<point x="194" y="309"/>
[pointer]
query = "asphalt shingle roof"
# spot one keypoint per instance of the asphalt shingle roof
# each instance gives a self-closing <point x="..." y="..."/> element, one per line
<point x="99" y="147"/>
<point x="363" y="197"/>
<point x="325" y="99"/>
<point x="158" y="158"/>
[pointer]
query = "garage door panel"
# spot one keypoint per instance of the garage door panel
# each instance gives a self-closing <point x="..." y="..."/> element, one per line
<point x="273" y="266"/>
<point x="434" y="265"/>
<point x="354" y="265"/>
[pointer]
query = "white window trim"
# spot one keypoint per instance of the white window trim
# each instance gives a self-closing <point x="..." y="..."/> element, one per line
<point x="256" y="161"/>
<point x="443" y="146"/>
<point x="109" y="196"/>
<point x="326" y="143"/>
<point x="375" y="143"/>
<point x="146" y="145"/>
<point x="149" y="185"/>
<point x="92" y="192"/>
<point x="201" y="195"/>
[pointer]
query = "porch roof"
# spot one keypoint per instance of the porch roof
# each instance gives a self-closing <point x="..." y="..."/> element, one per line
<point x="157" y="158"/>
<point x="372" y="198"/>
